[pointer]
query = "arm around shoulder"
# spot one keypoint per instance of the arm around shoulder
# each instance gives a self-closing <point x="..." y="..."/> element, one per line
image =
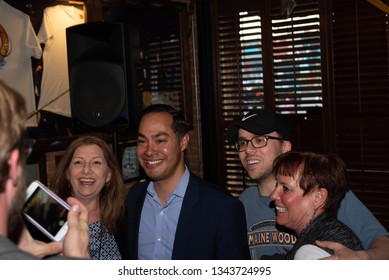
<point x="379" y="249"/>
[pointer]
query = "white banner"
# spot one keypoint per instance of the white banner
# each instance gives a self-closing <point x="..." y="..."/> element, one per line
<point x="196" y="270"/>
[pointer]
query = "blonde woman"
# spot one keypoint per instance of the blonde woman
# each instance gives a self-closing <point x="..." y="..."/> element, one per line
<point x="90" y="172"/>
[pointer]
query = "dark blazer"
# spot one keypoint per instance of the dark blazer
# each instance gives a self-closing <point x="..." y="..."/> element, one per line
<point x="211" y="224"/>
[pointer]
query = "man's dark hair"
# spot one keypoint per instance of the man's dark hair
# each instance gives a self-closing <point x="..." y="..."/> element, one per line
<point x="179" y="125"/>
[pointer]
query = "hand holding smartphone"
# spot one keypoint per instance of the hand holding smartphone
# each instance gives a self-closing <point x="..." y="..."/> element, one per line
<point x="46" y="211"/>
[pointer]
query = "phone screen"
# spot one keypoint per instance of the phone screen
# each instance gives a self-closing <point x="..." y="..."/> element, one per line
<point x="46" y="211"/>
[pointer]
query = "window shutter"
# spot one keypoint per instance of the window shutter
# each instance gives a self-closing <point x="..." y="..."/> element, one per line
<point x="297" y="58"/>
<point x="355" y="123"/>
<point x="160" y="70"/>
<point x="162" y="59"/>
<point x="361" y="88"/>
<point x="241" y="80"/>
<point x="296" y="68"/>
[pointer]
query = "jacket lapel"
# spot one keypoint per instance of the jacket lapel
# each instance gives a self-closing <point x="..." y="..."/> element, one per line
<point x="184" y="226"/>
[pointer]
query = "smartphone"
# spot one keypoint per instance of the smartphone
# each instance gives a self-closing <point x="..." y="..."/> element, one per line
<point x="46" y="211"/>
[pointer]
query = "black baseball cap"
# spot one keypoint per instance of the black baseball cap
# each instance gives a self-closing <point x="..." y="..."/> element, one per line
<point x="260" y="122"/>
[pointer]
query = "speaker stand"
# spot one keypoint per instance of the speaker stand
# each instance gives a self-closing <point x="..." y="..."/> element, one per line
<point x="115" y="145"/>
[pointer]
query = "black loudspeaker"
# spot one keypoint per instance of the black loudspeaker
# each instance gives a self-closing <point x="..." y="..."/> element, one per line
<point x="102" y="61"/>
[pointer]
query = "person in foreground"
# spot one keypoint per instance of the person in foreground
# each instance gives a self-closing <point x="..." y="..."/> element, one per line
<point x="89" y="171"/>
<point x="307" y="197"/>
<point x="13" y="142"/>
<point x="175" y="214"/>
<point x="260" y="137"/>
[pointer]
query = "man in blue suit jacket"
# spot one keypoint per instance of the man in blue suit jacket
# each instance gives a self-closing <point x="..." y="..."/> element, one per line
<point x="177" y="215"/>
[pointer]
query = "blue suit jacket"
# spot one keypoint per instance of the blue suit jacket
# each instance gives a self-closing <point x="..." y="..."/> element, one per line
<point x="211" y="224"/>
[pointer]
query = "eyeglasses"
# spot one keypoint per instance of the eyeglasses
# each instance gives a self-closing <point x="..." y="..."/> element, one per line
<point x="256" y="142"/>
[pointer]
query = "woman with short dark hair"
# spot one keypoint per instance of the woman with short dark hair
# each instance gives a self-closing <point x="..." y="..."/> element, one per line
<point x="307" y="196"/>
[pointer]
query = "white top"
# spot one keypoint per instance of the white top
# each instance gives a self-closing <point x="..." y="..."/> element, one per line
<point x="55" y="78"/>
<point x="310" y="252"/>
<point x="18" y="43"/>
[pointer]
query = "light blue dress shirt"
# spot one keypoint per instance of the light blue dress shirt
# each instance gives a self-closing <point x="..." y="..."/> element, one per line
<point x="158" y="223"/>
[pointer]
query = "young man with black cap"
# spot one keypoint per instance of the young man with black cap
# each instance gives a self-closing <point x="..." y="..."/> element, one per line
<point x="259" y="138"/>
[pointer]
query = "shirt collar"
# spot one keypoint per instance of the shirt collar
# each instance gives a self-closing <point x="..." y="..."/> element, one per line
<point x="180" y="188"/>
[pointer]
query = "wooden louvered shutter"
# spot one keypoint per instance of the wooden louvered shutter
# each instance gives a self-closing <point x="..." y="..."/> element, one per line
<point x="361" y="90"/>
<point x="297" y="59"/>
<point x="163" y="60"/>
<point x="241" y="80"/>
<point x="294" y="72"/>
